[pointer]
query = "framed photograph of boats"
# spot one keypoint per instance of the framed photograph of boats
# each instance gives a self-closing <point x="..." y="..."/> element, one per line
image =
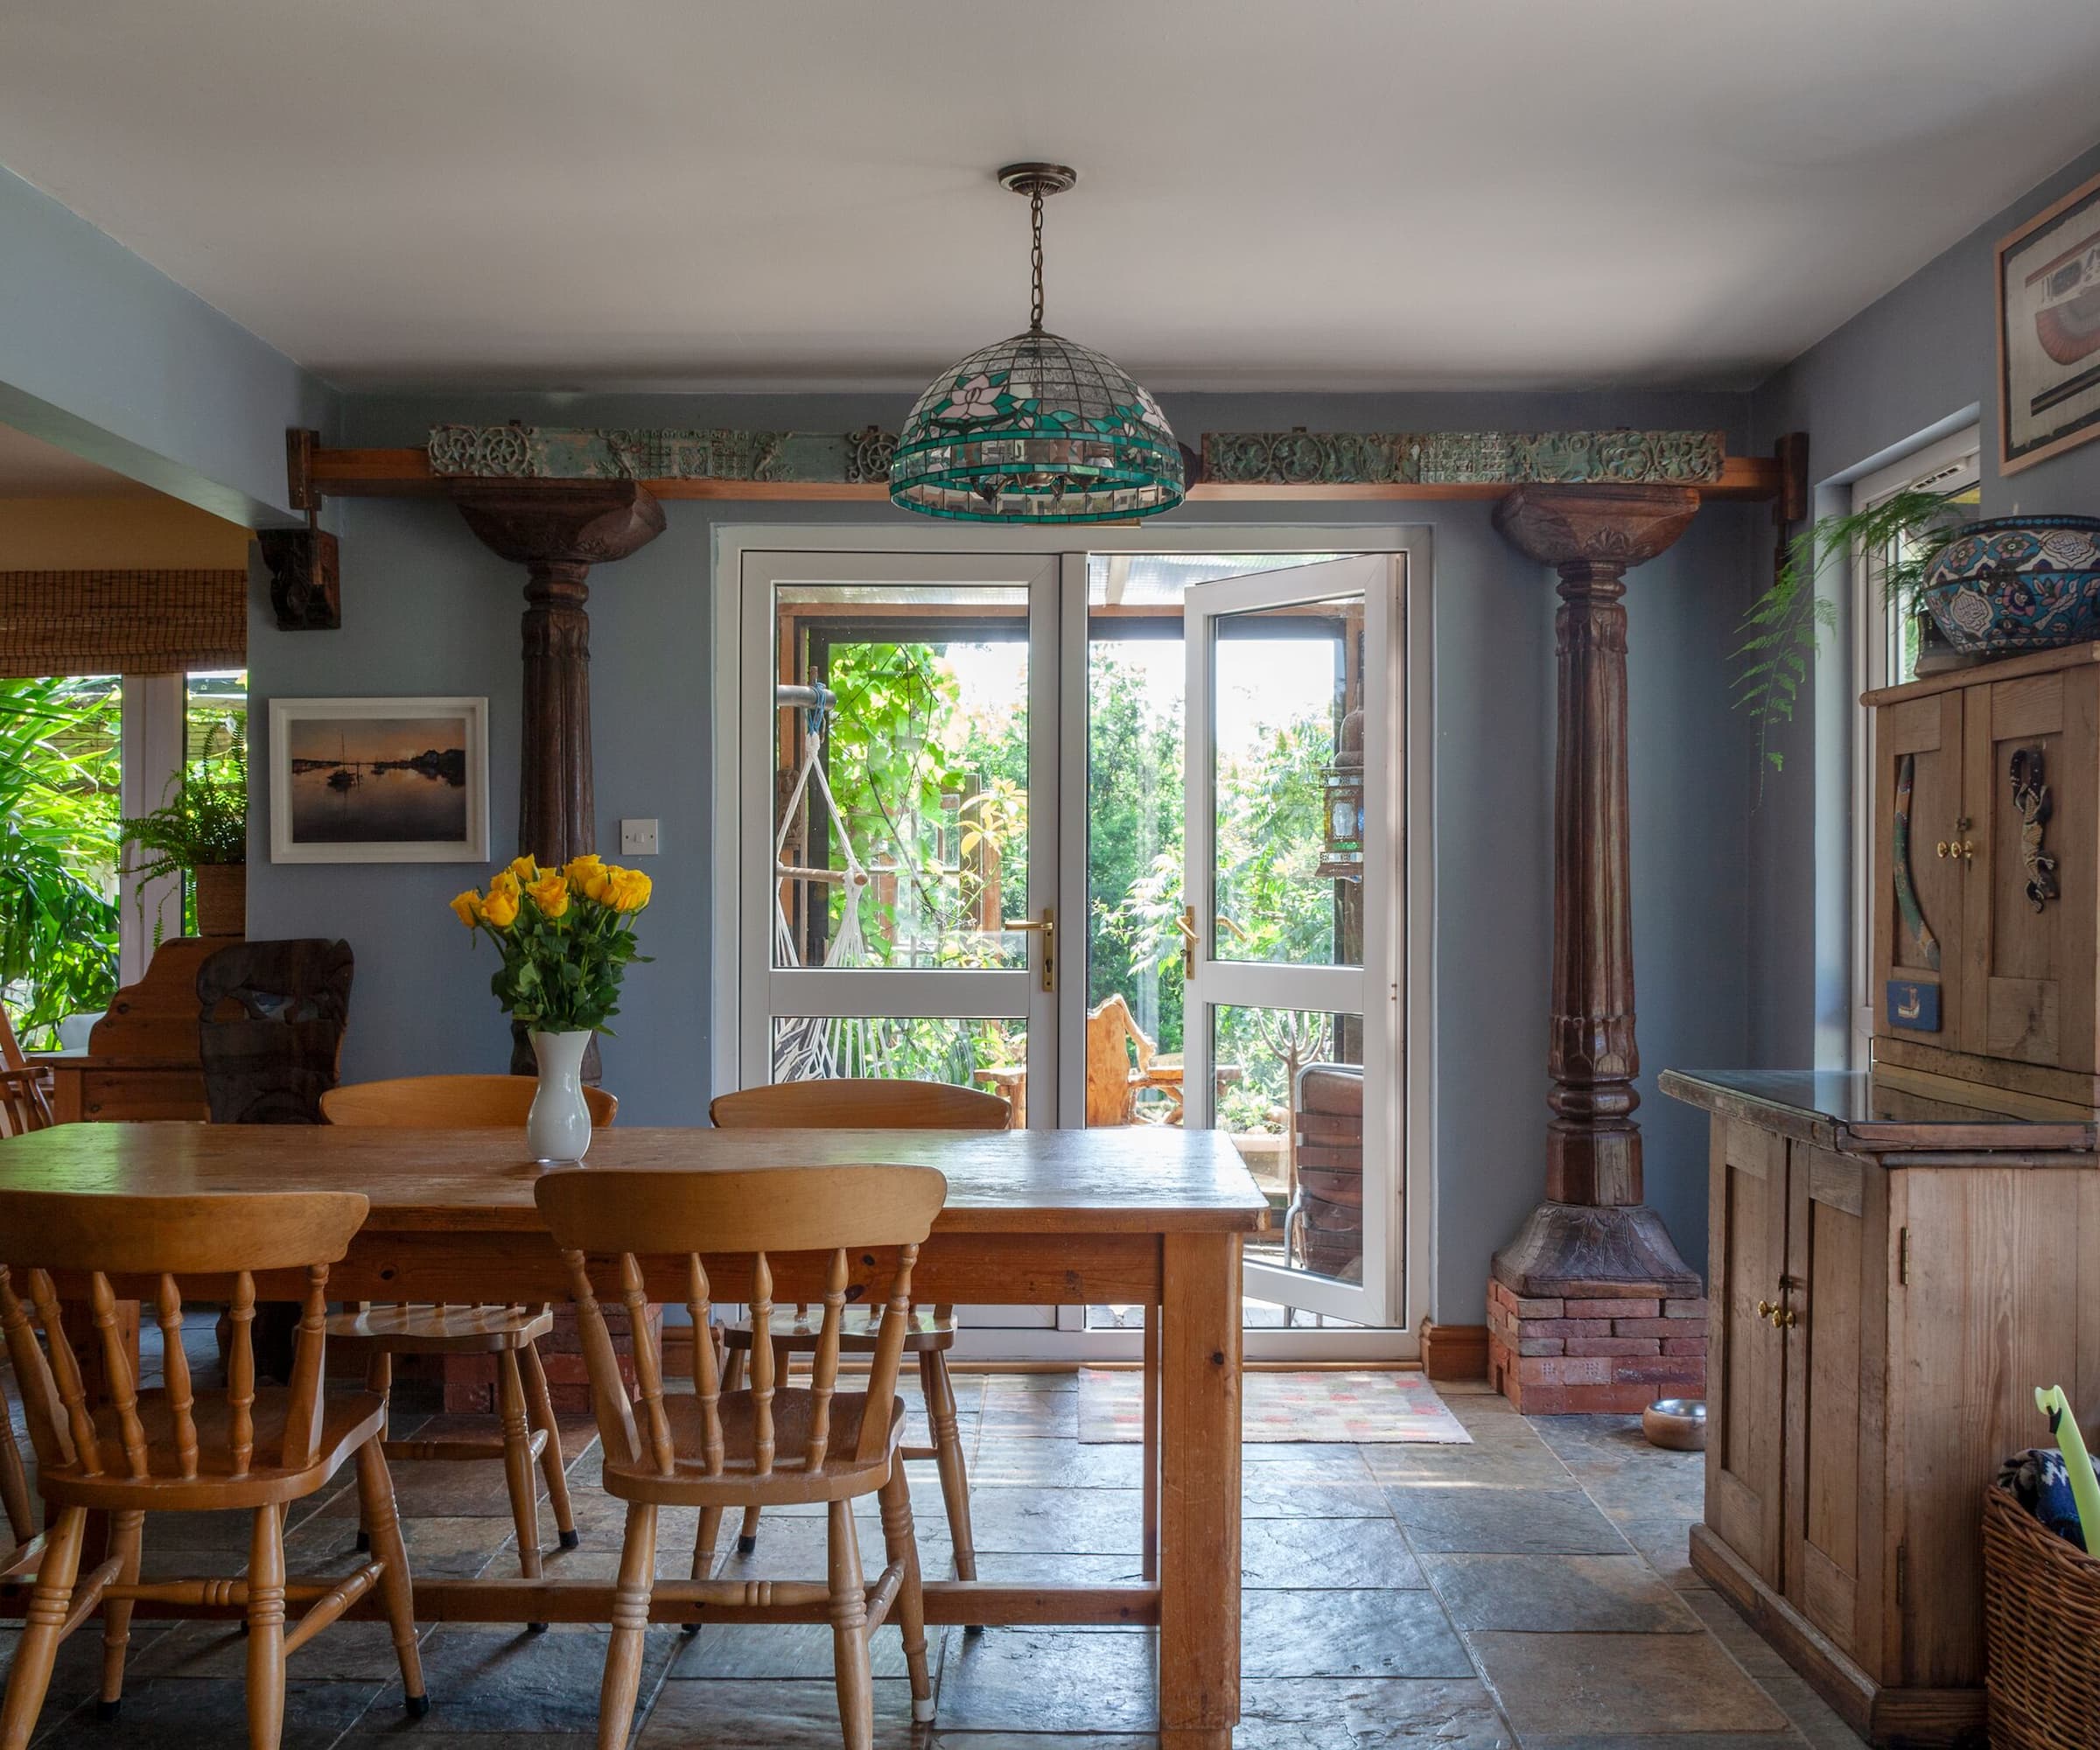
<point x="2049" y="332"/>
<point x="379" y="781"/>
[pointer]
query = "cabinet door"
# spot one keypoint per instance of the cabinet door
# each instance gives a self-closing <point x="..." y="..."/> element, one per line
<point x="1918" y="967"/>
<point x="1838" y="1293"/>
<point x="2029" y="908"/>
<point x="2001" y="1263"/>
<point x="1746" y="1352"/>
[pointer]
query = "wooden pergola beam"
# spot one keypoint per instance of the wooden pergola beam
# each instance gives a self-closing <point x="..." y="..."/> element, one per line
<point x="320" y="474"/>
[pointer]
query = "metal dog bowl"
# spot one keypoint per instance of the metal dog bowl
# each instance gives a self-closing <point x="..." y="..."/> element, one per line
<point x="1678" y="1424"/>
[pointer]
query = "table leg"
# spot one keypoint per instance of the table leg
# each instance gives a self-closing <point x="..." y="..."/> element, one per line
<point x="1200" y="1493"/>
<point x="1150" y="1545"/>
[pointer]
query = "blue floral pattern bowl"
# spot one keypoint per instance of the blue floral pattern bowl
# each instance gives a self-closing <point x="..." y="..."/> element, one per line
<point x="2017" y="582"/>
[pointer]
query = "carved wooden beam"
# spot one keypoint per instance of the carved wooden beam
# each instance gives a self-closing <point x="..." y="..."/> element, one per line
<point x="557" y="531"/>
<point x="1252" y="468"/>
<point x="1593" y="1227"/>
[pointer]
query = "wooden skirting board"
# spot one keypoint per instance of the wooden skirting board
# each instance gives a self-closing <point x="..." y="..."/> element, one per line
<point x="1454" y="1352"/>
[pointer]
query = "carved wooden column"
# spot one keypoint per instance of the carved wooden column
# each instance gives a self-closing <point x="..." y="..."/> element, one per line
<point x="1593" y="1251"/>
<point x="557" y="532"/>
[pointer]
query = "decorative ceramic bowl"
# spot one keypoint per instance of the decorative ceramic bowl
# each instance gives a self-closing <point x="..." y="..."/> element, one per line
<point x="2017" y="582"/>
<point x="1676" y="1422"/>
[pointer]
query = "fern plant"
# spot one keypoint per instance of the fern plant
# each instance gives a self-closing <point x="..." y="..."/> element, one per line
<point x="1782" y="633"/>
<point x="205" y="821"/>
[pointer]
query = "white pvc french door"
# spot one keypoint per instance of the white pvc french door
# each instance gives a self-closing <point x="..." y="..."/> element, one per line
<point x="898" y="911"/>
<point x="1292" y="951"/>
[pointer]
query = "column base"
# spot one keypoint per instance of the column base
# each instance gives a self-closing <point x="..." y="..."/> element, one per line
<point x="1591" y="1310"/>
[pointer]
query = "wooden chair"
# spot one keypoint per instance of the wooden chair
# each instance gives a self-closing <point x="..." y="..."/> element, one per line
<point x="449" y="1103"/>
<point x="529" y="1433"/>
<point x="1122" y="1063"/>
<point x="770" y="1445"/>
<point x="271" y="1016"/>
<point x="1323" y="1228"/>
<point x="253" y="1450"/>
<point x="847" y="1104"/>
<point x="860" y="1103"/>
<point x="24" y="1102"/>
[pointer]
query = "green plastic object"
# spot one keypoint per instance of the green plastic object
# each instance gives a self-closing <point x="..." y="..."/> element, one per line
<point x="2085" y="1488"/>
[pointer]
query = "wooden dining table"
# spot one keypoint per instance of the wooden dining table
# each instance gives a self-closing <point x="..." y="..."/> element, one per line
<point x="1147" y="1216"/>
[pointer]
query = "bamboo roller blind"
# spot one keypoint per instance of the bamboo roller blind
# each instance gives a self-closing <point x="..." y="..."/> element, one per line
<point x="122" y="622"/>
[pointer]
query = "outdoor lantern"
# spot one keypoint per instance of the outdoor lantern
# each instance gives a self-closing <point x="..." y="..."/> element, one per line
<point x="1037" y="428"/>
<point x="1341" y="800"/>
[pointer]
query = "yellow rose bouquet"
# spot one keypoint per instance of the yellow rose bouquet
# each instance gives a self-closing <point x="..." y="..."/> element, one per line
<point x="566" y="936"/>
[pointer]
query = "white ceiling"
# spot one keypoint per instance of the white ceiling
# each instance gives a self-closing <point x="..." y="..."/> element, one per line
<point x="772" y="193"/>
<point x="31" y="468"/>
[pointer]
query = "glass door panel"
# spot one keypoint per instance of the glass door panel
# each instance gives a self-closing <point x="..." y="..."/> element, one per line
<point x="1288" y="938"/>
<point x="898" y="915"/>
<point x="1286" y="783"/>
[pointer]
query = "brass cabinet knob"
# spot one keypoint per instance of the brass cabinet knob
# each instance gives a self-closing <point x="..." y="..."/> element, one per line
<point x="1766" y="1309"/>
<point x="1785" y="1318"/>
<point x="1943" y="847"/>
<point x="1968" y="850"/>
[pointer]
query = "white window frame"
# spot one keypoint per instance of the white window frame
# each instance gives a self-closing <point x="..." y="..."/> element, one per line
<point x="152" y="729"/>
<point x="1417" y="1175"/>
<point x="1948" y="463"/>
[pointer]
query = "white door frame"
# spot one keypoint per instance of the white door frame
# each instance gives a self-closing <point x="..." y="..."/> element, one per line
<point x="1417" y="1174"/>
<point x="1947" y="464"/>
<point x="1370" y="990"/>
<point x="1019" y="992"/>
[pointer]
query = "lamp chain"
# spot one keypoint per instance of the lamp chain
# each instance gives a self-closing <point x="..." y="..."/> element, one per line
<point x="1035" y="262"/>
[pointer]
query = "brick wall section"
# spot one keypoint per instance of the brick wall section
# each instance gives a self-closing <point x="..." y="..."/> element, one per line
<point x="1613" y="1354"/>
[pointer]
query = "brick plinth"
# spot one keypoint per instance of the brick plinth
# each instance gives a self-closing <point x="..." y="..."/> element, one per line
<point x="1607" y="1353"/>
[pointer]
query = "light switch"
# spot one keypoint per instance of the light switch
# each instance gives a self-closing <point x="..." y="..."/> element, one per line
<point x="638" y="838"/>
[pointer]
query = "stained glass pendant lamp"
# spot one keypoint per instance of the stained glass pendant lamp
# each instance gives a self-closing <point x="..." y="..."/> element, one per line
<point x="1037" y="428"/>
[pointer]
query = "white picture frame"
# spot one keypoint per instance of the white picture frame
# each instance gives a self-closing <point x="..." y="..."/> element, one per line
<point x="369" y="802"/>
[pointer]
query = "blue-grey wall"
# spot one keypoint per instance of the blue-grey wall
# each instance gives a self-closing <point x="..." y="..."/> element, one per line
<point x="427" y="610"/>
<point x="1913" y="360"/>
<point x="103" y="355"/>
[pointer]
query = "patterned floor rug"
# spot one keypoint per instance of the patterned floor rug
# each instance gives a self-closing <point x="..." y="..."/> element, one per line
<point x="1296" y="1407"/>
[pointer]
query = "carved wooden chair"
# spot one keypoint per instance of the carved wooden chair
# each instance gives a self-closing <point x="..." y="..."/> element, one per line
<point x="1122" y="1061"/>
<point x="24" y="1100"/>
<point x="271" y="1016"/>
<point x="769" y="1445"/>
<point x="529" y="1433"/>
<point x="865" y="1105"/>
<point x="253" y="1450"/>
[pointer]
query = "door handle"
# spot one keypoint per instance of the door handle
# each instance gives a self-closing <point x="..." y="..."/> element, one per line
<point x="1048" y="926"/>
<point x="1190" y="937"/>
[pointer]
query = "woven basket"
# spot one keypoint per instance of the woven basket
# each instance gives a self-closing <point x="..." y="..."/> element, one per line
<point x="2041" y="1629"/>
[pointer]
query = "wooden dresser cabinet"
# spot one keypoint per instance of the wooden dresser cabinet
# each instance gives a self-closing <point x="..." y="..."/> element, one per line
<point x="142" y="1060"/>
<point x="1986" y="876"/>
<point x="1892" y="1275"/>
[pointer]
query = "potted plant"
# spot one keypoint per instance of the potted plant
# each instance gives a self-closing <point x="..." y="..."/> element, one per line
<point x="201" y="833"/>
<point x="1990" y="588"/>
<point x="567" y="938"/>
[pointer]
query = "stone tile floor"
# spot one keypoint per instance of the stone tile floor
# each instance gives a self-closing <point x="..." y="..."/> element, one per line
<point x="1528" y="1592"/>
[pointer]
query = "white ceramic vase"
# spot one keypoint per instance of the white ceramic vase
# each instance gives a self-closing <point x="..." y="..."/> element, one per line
<point x="558" y="1127"/>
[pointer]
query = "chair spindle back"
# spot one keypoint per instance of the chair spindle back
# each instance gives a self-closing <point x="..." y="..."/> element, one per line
<point x="46" y="1234"/>
<point x="761" y="1214"/>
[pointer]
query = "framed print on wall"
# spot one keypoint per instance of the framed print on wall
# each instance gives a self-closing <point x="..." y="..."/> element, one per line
<point x="379" y="781"/>
<point x="2049" y="332"/>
